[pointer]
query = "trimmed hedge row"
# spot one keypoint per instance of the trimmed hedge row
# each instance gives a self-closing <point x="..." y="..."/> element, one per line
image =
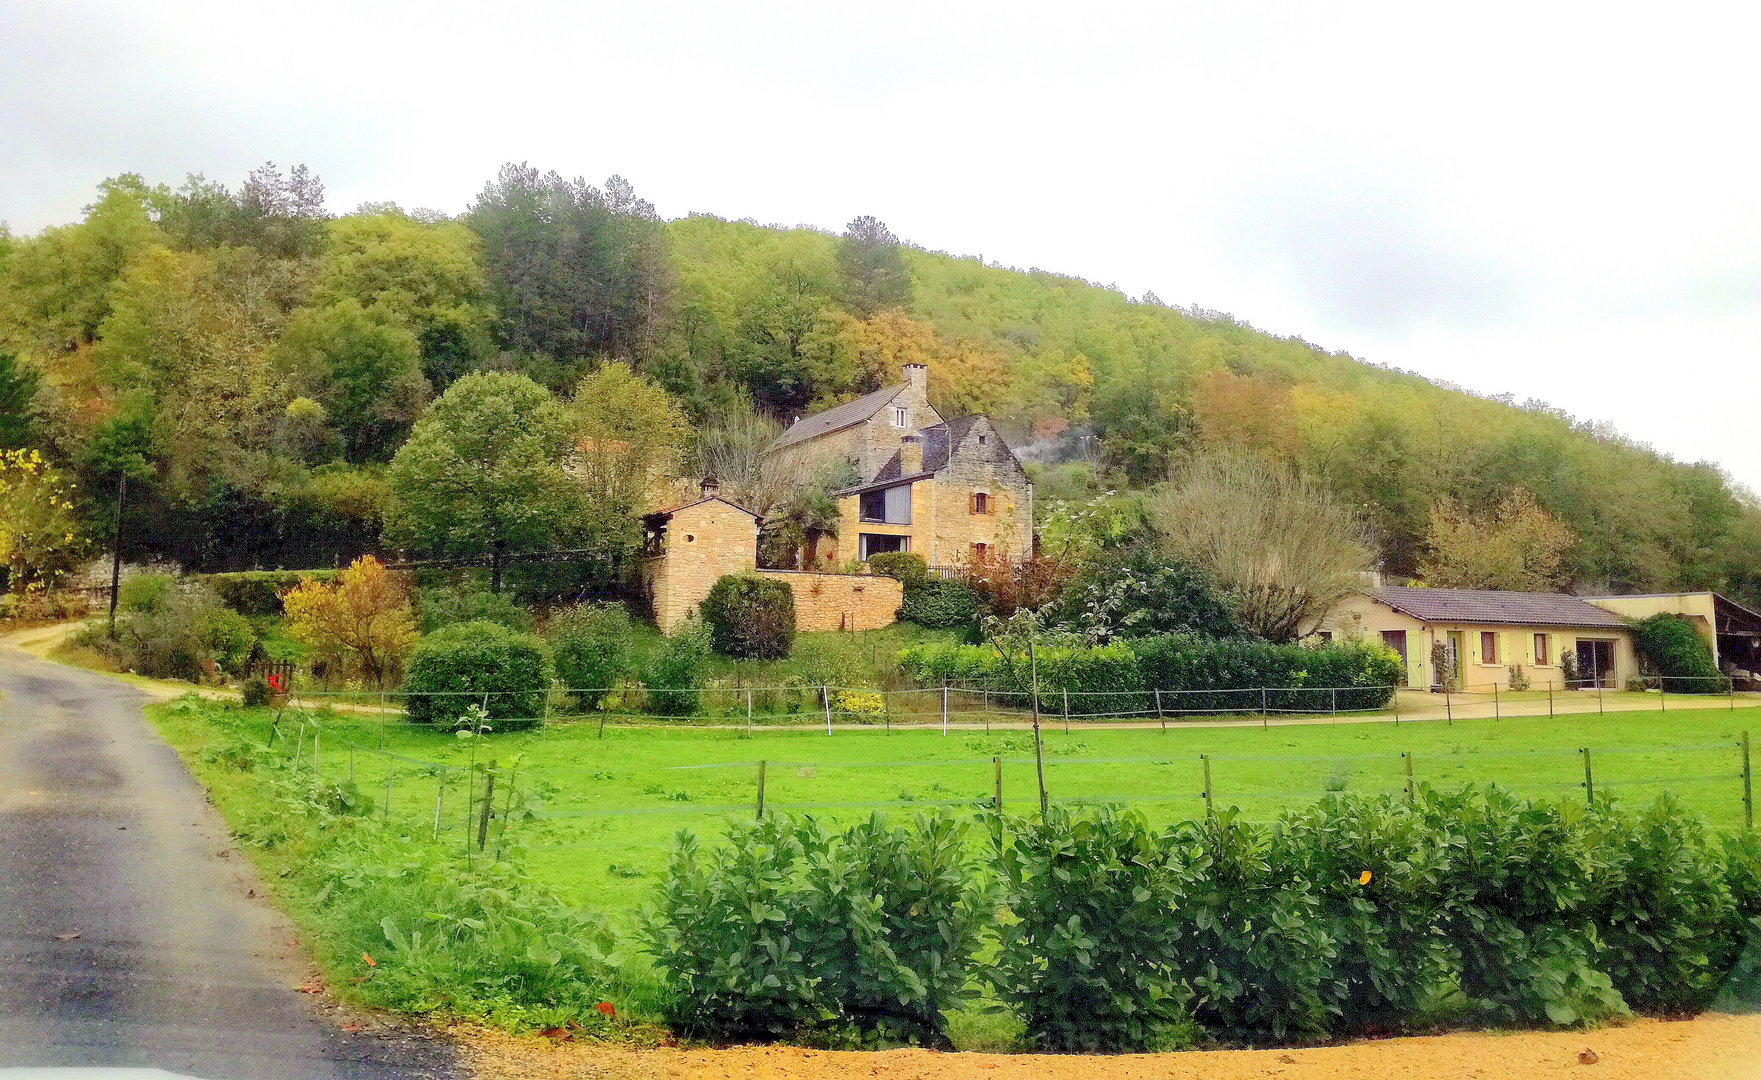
<point x="1195" y="674"/>
<point x="1353" y="915"/>
<point x="257" y="592"/>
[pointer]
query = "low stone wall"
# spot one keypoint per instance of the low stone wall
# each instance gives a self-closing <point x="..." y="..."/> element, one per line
<point x="841" y="601"/>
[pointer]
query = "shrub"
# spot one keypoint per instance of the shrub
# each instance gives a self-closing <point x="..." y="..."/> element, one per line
<point x="1085" y="959"/>
<point x="676" y="669"/>
<point x="1668" y="644"/>
<point x="1138" y="591"/>
<point x="750" y="617"/>
<point x="905" y="566"/>
<point x="478" y="663"/>
<point x="445" y="605"/>
<point x="145" y="592"/>
<point x="1101" y="680"/>
<point x="257" y="592"/>
<point x="1519" y="679"/>
<point x="939" y="604"/>
<point x="255" y="692"/>
<point x="176" y="632"/>
<point x="591" y="646"/>
<point x="1665" y="920"/>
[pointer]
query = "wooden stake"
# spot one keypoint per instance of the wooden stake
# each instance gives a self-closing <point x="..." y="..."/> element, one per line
<point x="997" y="765"/>
<point x="1409" y="791"/>
<point x="1205" y="759"/>
<point x="1748" y="787"/>
<point x="1589" y="779"/>
<point x="760" y="790"/>
<point x="488" y="804"/>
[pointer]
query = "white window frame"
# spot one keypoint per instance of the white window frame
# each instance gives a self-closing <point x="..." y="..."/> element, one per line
<point x="901" y="416"/>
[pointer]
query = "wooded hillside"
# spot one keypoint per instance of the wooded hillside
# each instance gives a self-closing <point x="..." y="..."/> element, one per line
<point x="254" y="363"/>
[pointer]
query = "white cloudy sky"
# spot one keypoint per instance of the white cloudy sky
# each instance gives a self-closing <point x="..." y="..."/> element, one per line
<point x="1557" y="201"/>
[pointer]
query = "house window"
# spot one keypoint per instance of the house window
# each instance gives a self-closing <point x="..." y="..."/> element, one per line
<point x="979" y="550"/>
<point x="981" y="503"/>
<point x="871" y="544"/>
<point x="887" y="506"/>
<point x="1325" y="637"/>
<point x="1541" y="648"/>
<point x="901" y="416"/>
<point x="1488" y="647"/>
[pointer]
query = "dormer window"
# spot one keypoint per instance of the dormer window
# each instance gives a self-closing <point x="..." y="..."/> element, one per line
<point x="901" y="416"/>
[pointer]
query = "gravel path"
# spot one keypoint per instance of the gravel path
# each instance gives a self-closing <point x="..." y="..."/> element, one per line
<point x="130" y="931"/>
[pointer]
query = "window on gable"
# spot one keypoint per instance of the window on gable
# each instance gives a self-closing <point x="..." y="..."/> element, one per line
<point x="1488" y="647"/>
<point x="901" y="416"/>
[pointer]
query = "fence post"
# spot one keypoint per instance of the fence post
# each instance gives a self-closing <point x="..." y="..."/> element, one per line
<point x="1549" y="699"/>
<point x="1448" y="712"/>
<point x="1662" y="694"/>
<point x="944" y="712"/>
<point x="825" y="695"/>
<point x="389" y="766"/>
<point x="1409" y="793"/>
<point x="1599" y="697"/>
<point x="318" y="754"/>
<point x="1730" y="690"/>
<point x="488" y="804"/>
<point x="1263" y="710"/>
<point x="1333" y="701"/>
<point x="1496" y="714"/>
<point x="1395" y="698"/>
<point x="1206" y="760"/>
<point x="997" y="766"/>
<point x="439" y="794"/>
<point x="1066" y="711"/>
<point x="1159" y="714"/>
<point x="1589" y="780"/>
<point x="760" y="790"/>
<point x="1748" y="787"/>
<point x="985" y="708"/>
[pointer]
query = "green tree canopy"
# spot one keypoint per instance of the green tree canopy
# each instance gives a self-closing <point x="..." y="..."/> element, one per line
<point x="876" y="276"/>
<point x="364" y="367"/>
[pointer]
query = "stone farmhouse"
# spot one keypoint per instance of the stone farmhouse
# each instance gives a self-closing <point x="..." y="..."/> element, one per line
<point x="944" y="489"/>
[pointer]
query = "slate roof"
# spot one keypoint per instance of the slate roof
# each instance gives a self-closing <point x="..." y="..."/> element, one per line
<point x="663" y="515"/>
<point x="939" y="441"/>
<point x="837" y="417"/>
<point x="1496" y="607"/>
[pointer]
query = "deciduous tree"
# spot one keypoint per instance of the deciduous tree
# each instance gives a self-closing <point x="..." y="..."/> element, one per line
<point x="1281" y="549"/>
<point x="1519" y="546"/>
<point x="40" y="534"/>
<point x="363" y="621"/>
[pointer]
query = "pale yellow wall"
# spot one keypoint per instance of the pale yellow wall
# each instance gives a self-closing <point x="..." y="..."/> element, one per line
<point x="943" y="527"/>
<point x="1361" y="617"/>
<point x="1698" y="607"/>
<point x="703" y="542"/>
<point x="841" y="601"/>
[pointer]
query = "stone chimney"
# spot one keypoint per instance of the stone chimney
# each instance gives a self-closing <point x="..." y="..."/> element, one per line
<point x="917" y="375"/>
<point x="911" y="447"/>
<point x="711" y="487"/>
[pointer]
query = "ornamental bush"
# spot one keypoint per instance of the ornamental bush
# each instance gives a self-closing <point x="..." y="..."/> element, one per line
<point x="591" y="647"/>
<point x="478" y="663"/>
<point x="750" y="617"/>
<point x="445" y="605"/>
<point x="939" y="604"/>
<point x="257" y="592"/>
<point x="677" y="669"/>
<point x="905" y="566"/>
<point x="1669" y="645"/>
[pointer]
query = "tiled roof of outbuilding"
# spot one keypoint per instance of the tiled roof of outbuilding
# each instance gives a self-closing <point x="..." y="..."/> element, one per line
<point x="1474" y="606"/>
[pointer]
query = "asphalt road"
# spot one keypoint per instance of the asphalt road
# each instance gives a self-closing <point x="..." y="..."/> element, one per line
<point x="104" y="835"/>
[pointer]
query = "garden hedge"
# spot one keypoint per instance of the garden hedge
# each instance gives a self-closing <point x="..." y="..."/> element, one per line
<point x="939" y="604"/>
<point x="478" y="663"/>
<point x="257" y="592"/>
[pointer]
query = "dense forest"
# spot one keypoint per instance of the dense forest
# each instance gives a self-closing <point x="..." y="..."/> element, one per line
<point x="251" y="363"/>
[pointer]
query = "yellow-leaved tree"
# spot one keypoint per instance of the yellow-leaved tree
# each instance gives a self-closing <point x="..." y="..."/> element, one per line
<point x="1519" y="546"/>
<point x="362" y="622"/>
<point x="39" y="534"/>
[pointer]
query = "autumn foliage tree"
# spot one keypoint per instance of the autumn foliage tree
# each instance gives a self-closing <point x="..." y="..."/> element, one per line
<point x="362" y="622"/>
<point x="1518" y="546"/>
<point x="40" y="534"/>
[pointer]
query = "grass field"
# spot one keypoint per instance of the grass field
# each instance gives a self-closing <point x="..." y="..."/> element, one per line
<point x="604" y="809"/>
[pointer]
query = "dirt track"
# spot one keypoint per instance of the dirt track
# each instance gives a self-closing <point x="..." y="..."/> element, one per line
<point x="1707" y="1048"/>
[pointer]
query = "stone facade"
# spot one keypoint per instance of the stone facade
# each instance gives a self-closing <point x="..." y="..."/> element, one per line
<point x="694" y="546"/>
<point x="867" y="442"/>
<point x="841" y="601"/>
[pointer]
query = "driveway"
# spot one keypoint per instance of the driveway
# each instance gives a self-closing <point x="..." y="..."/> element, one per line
<point x="129" y="934"/>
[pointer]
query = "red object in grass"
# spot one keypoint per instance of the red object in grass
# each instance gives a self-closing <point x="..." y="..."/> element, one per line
<point x="275" y="683"/>
<point x="606" y="1008"/>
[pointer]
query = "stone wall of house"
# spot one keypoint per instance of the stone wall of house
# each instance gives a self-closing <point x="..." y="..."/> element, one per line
<point x="841" y="601"/>
<point x="703" y="543"/>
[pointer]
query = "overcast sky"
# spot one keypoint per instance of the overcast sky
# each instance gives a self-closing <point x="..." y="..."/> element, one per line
<point x="1559" y="202"/>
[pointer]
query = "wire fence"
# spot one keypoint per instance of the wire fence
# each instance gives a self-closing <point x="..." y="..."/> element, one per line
<point x="576" y="807"/>
<point x="962" y="707"/>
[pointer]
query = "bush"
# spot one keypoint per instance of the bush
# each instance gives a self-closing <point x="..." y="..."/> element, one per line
<point x="447" y="605"/>
<point x="478" y="663"/>
<point x="1138" y="591"/>
<point x="255" y="692"/>
<point x="1086" y="958"/>
<point x="591" y="647"/>
<point x="175" y="632"/>
<point x="1101" y="680"/>
<point x="256" y="592"/>
<point x="908" y="568"/>
<point x="145" y="592"/>
<point x="677" y="669"/>
<point x="790" y="927"/>
<point x="939" y="604"/>
<point x="1669" y="645"/>
<point x="750" y="617"/>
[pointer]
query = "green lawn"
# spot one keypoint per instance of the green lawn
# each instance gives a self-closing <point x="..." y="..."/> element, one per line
<point x="607" y="807"/>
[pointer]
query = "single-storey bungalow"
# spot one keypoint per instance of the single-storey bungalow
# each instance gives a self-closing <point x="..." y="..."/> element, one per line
<point x="1487" y="633"/>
